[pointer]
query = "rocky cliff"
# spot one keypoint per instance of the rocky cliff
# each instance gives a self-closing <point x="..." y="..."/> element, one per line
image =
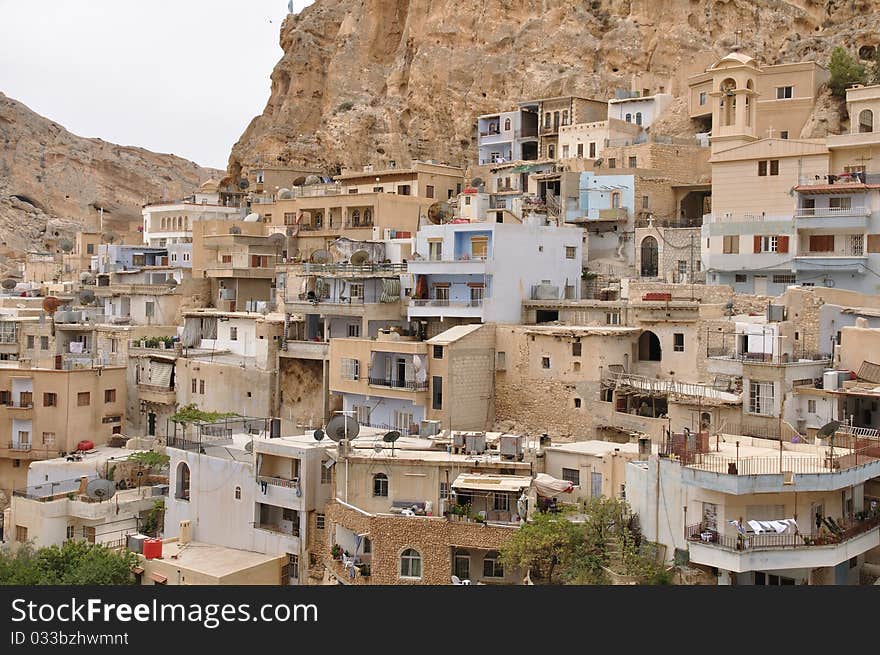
<point x="53" y="183"/>
<point x="366" y="81"/>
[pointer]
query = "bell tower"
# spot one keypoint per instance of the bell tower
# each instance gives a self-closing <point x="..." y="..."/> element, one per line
<point x="734" y="101"/>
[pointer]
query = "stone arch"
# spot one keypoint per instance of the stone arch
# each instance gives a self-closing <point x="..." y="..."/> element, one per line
<point x="649" y="251"/>
<point x="649" y="347"/>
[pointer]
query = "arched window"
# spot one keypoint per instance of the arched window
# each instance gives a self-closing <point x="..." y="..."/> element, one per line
<point x="705" y="421"/>
<point x="181" y="489"/>
<point x="368" y="217"/>
<point x="629" y="118"/>
<point x="649" y="257"/>
<point x="492" y="567"/>
<point x="565" y="117"/>
<point x="238" y="493"/>
<point x="506" y="124"/>
<point x="649" y="347"/>
<point x="355" y="216"/>
<point x="615" y="199"/>
<point x="866" y="120"/>
<point x="411" y="564"/>
<point x="551" y="151"/>
<point x="728" y="101"/>
<point x="163" y="223"/>
<point x="638" y="118"/>
<point x="380" y="485"/>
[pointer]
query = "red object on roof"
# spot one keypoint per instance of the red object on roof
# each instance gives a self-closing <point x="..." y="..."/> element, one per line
<point x="460" y="220"/>
<point x="85" y="444"/>
<point x="657" y="295"/>
<point x="401" y="234"/>
<point x="470" y="190"/>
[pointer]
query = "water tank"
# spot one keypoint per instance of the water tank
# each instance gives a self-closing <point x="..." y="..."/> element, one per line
<point x="184" y="536"/>
<point x="152" y="549"/>
<point x="830" y="380"/>
<point x="510" y="446"/>
<point x="85" y="444"/>
<point x="475" y="444"/>
<point x="136" y="542"/>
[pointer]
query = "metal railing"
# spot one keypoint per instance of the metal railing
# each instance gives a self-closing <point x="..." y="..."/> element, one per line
<point x="777" y="465"/>
<point x="730" y="352"/>
<point x="730" y="217"/>
<point x="652" y="385"/>
<point x="20" y="446"/>
<point x="446" y="303"/>
<point x="409" y="385"/>
<point x="272" y="527"/>
<point x="278" y="482"/>
<point x="354" y="269"/>
<point x="851" y="248"/>
<point x="809" y="212"/>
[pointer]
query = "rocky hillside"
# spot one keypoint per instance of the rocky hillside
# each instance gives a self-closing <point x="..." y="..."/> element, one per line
<point x="370" y="80"/>
<point x="53" y="182"/>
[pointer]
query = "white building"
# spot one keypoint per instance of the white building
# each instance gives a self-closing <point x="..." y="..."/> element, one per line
<point x="638" y="110"/>
<point x="508" y="136"/>
<point x="171" y="223"/>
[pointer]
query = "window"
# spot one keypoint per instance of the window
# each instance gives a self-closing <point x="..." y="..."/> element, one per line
<point x="551" y="151"/>
<point x="784" y="278"/>
<point x="194" y="382"/>
<point x="238" y="493"/>
<point x="380" y="485"/>
<point x="577" y="401"/>
<point x="30" y="341"/>
<point x="50" y="400"/>
<point x="501" y="502"/>
<point x="114" y="345"/>
<point x="612" y="162"/>
<point x="762" y="168"/>
<point x="181" y="487"/>
<point x="326" y="473"/>
<point x="612" y="318"/>
<point x="363" y="414"/>
<point x="840" y="203"/>
<point x="783" y="134"/>
<point x="435" y="251"/>
<point x="429" y="190"/>
<point x="565" y="151"/>
<point x="784" y="92"/>
<point x="615" y="200"/>
<point x="576" y="349"/>
<point x="866" y="121"/>
<point x="83" y="398"/>
<point x="632" y="162"/>
<point x="565" y="117"/>
<point x="44" y="343"/>
<point x="436" y="392"/>
<point x="638" y="118"/>
<point x="740" y="278"/>
<point x="545" y="362"/>
<point x="730" y="244"/>
<point x="438" y="352"/>
<point x="149" y="308"/>
<point x="682" y="267"/>
<point x="109" y="395"/>
<point x="354" y="330"/>
<point x="702" y="98"/>
<point x="48" y="438"/>
<point x="811" y="406"/>
<point x="479" y="247"/>
<point x="570" y="252"/>
<point x="350" y="368"/>
<point x="592" y="149"/>
<point x="71" y="530"/>
<point x="572" y="475"/>
<point x="319" y="521"/>
<point x="500" y="361"/>
<point x="580" y="150"/>
<point x="645" y="202"/>
<point x="403" y="189"/>
<point x="774" y="167"/>
<point x="233" y="334"/>
<point x="507" y="125"/>
<point x="411" y="564"/>
<point x="678" y="342"/>
<point x="766" y="243"/>
<point x="629" y="118"/>
<point x="201" y="387"/>
<point x="761" y="397"/>
<point x="492" y="567"/>
<point x="21" y="533"/>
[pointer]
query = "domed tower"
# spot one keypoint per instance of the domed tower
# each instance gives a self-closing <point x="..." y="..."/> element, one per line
<point x="734" y="101"/>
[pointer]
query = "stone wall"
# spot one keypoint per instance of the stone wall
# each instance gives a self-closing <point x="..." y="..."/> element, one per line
<point x="673" y="245"/>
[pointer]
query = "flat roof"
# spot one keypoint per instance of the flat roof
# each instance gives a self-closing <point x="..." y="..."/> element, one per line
<point x="453" y="334"/>
<point x="595" y="447"/>
<point x="582" y="330"/>
<point x="210" y="559"/>
<point x="489" y="482"/>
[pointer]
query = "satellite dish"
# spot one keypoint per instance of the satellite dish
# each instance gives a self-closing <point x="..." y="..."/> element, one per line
<point x="313" y="179"/>
<point x="235" y="230"/>
<point x="598" y="162"/>
<point x="249" y="446"/>
<point x="359" y="257"/>
<point x="86" y="278"/>
<point x="9" y="283"/>
<point x="318" y="434"/>
<point x="100" y="489"/>
<point x="292" y="230"/>
<point x="299" y="181"/>
<point x="50" y="304"/>
<point x="171" y="282"/>
<point x="243" y="183"/>
<point x="828" y="430"/>
<point x="87" y="296"/>
<point x="439" y="212"/>
<point x="391" y="437"/>
<point x="277" y="239"/>
<point x="477" y="182"/>
<point x="342" y="427"/>
<point x="285" y="194"/>
<point x="253" y="217"/>
<point x="321" y="257"/>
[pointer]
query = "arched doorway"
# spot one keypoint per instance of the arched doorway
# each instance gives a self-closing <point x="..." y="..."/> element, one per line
<point x="649" y="257"/>
<point x="649" y="347"/>
<point x="183" y="480"/>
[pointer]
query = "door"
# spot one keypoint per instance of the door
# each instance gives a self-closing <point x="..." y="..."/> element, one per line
<point x="817" y="513"/>
<point x="463" y="567"/>
<point x="649" y="252"/>
<point x="596" y="485"/>
<point x="151" y="424"/>
<point x="710" y="516"/>
<point x="400" y="381"/>
<point x="760" y="285"/>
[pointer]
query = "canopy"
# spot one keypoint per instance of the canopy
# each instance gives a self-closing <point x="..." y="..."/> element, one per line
<point x="548" y="486"/>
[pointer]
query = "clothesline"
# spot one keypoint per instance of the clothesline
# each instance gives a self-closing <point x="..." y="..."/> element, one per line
<point x="779" y="526"/>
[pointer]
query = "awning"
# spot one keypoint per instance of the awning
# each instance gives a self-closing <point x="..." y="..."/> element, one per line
<point x="497" y="483"/>
<point x="548" y="486"/>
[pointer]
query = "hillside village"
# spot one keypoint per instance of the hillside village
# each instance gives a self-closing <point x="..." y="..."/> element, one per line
<point x="379" y="375"/>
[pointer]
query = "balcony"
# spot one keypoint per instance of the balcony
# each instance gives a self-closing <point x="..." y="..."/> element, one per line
<point x="832" y="217"/>
<point x="758" y="552"/>
<point x="279" y="492"/>
<point x="403" y="385"/>
<point x="354" y="270"/>
<point x="317" y="350"/>
<point x="435" y="307"/>
<point x="847" y="256"/>
<point x="153" y="393"/>
<point x="473" y="265"/>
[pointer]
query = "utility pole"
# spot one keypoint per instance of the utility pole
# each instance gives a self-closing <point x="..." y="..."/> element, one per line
<point x="692" y="267"/>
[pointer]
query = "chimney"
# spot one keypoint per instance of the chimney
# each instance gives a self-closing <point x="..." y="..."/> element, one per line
<point x="83" y="483"/>
<point x="184" y="536"/>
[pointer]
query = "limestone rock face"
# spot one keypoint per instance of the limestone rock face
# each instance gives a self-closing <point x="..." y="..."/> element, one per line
<point x="52" y="181"/>
<point x="367" y="81"/>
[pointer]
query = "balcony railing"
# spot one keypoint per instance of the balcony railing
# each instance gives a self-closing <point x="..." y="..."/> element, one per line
<point x="278" y="482"/>
<point x="272" y="527"/>
<point x="809" y="212"/>
<point x="729" y="352"/>
<point x="775" y="465"/>
<point x="434" y="302"/>
<point x="752" y="541"/>
<point x="409" y="385"/>
<point x="353" y="269"/>
<point x="20" y="405"/>
<point x="850" y="249"/>
<point x="20" y="446"/>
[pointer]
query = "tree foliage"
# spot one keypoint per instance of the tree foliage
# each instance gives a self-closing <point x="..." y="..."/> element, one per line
<point x="192" y="414"/>
<point x="73" y="563"/>
<point x="558" y="550"/>
<point x="845" y="71"/>
<point x="150" y="459"/>
<point x="874" y="70"/>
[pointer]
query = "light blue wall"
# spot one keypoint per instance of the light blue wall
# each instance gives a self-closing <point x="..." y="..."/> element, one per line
<point x="595" y="192"/>
<point x="382" y="409"/>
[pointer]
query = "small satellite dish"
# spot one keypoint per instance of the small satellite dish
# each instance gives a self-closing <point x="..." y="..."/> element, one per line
<point x="277" y="239"/>
<point x="477" y="182"/>
<point x="285" y="194"/>
<point x="828" y="430"/>
<point x="253" y="217"/>
<point x="9" y="284"/>
<point x="235" y="230"/>
<point x="86" y="278"/>
<point x="439" y="212"/>
<point x="171" y="282"/>
<point x="313" y="179"/>
<point x="321" y="257"/>
<point x="100" y="489"/>
<point x="318" y="434"/>
<point x="243" y="183"/>
<point x="598" y="162"/>
<point x="359" y="257"/>
<point x="87" y="296"/>
<point x="391" y="437"/>
<point x="292" y="230"/>
<point x="342" y="427"/>
<point x="249" y="446"/>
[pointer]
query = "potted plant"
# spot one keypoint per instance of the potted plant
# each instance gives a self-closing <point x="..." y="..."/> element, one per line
<point x="336" y="552"/>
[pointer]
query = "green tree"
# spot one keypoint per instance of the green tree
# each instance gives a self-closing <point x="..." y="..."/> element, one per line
<point x="73" y="563"/>
<point x="874" y="71"/>
<point x="845" y="71"/>
<point x="544" y="546"/>
<point x="150" y="459"/>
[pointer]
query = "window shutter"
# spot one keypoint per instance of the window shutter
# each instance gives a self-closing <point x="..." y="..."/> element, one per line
<point x="782" y="244"/>
<point x="757" y="244"/>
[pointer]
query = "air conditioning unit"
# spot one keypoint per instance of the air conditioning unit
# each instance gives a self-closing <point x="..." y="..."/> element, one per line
<point x="510" y="446"/>
<point x="458" y="439"/>
<point x="475" y="444"/>
<point x="429" y="428"/>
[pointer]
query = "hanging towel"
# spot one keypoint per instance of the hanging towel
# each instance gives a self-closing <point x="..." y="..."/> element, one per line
<point x="756" y="526"/>
<point x="779" y="526"/>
